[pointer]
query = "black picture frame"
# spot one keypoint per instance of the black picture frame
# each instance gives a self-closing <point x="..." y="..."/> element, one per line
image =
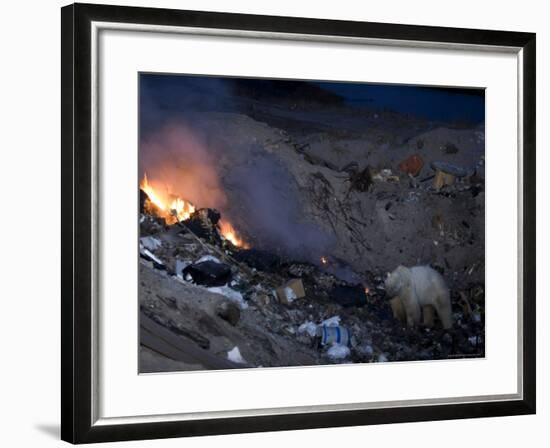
<point x="76" y="281"/>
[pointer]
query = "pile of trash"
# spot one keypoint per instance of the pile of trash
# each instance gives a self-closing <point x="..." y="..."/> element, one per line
<point x="265" y="311"/>
<point x="386" y="189"/>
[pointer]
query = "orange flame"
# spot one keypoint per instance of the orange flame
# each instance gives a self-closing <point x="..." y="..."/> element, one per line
<point x="172" y="208"/>
<point x="229" y="233"/>
<point x="154" y="198"/>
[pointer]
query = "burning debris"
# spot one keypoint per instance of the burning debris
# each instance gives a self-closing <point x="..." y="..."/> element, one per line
<point x="204" y="222"/>
<point x="230" y="234"/>
<point x="164" y="204"/>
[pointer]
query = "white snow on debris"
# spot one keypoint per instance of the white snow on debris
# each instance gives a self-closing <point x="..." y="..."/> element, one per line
<point x="208" y="258"/>
<point x="234" y="355"/>
<point x="333" y="321"/>
<point x="231" y="294"/>
<point x="150" y="242"/>
<point x="338" y="351"/>
<point x="308" y="327"/>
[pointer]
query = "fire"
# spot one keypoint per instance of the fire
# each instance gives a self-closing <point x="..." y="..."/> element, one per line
<point x="181" y="209"/>
<point x="324" y="260"/>
<point x="172" y="208"/>
<point x="367" y="290"/>
<point x="229" y="233"/>
<point x="155" y="199"/>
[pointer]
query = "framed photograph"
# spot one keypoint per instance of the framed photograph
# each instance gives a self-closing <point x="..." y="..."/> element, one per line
<point x="275" y="223"/>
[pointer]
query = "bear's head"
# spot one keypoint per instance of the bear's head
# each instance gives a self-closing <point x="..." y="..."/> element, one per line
<point x="396" y="280"/>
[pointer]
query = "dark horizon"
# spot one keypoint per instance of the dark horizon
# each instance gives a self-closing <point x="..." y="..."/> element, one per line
<point x="441" y="104"/>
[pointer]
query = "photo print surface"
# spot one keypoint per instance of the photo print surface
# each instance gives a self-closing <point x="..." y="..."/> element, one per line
<point x="302" y="223"/>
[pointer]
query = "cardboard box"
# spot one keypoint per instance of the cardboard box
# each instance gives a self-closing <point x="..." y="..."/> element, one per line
<point x="290" y="291"/>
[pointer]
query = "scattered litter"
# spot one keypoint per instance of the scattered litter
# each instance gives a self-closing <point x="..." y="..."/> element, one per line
<point x="308" y="327"/>
<point x="338" y="351"/>
<point x="334" y="335"/>
<point x="148" y="255"/>
<point x="290" y="291"/>
<point x="259" y="259"/>
<point x="412" y="165"/>
<point x="235" y="356"/>
<point x="208" y="273"/>
<point x="385" y="175"/>
<point x="412" y="196"/>
<point x="445" y="174"/>
<point x="231" y="294"/>
<point x="333" y="321"/>
<point x="180" y="266"/>
<point x="208" y="258"/>
<point x="150" y="243"/>
<point x="449" y="168"/>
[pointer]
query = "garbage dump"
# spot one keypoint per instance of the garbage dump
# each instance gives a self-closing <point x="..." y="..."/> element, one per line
<point x="270" y="224"/>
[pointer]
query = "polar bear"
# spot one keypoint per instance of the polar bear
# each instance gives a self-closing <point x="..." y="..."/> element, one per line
<point x="420" y="287"/>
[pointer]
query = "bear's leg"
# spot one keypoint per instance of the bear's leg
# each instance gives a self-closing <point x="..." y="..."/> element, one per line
<point x="444" y="311"/>
<point x="412" y="309"/>
<point x="428" y="316"/>
<point x="398" y="309"/>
